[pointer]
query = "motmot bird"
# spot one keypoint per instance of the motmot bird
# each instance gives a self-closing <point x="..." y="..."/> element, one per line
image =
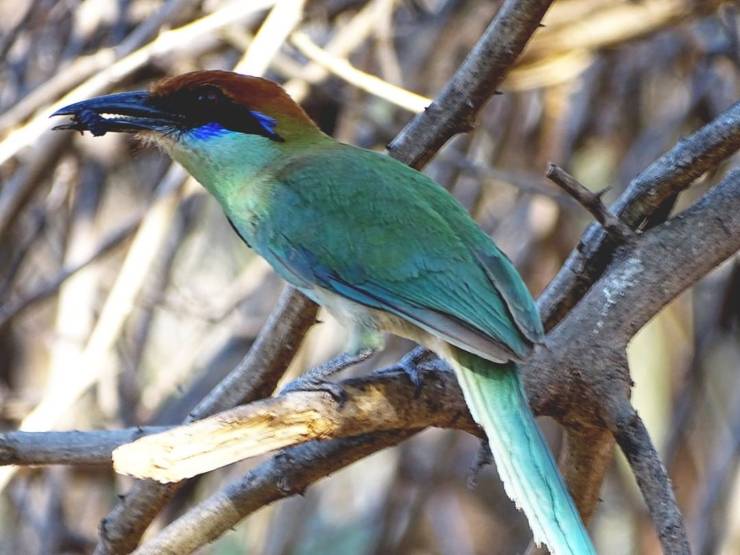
<point x="382" y="246"/>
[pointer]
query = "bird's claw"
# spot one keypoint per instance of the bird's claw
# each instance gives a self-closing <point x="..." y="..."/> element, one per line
<point x="410" y="366"/>
<point x="316" y="378"/>
<point x="313" y="383"/>
<point x="413" y="373"/>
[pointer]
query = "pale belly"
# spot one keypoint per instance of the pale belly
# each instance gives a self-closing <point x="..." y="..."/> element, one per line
<point x="360" y="318"/>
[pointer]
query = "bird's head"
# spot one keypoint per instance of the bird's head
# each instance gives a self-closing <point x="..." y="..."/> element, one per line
<point x="210" y="121"/>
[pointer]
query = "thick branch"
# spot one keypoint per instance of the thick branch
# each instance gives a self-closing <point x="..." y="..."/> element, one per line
<point x="288" y="473"/>
<point x="670" y="258"/>
<point x="455" y="108"/>
<point x="581" y="376"/>
<point x="382" y="402"/>
<point x="385" y="400"/>
<point x="671" y="173"/>
<point x="254" y="378"/>
<point x="654" y="483"/>
<point x="89" y="447"/>
<point x="577" y="374"/>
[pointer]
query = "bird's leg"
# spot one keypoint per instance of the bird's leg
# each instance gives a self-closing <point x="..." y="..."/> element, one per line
<point x="363" y="345"/>
<point x="316" y="379"/>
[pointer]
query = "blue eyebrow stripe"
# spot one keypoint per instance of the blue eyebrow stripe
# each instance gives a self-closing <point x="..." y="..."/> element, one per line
<point x="268" y="124"/>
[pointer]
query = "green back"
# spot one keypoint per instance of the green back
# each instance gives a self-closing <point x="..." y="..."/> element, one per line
<point x="369" y="228"/>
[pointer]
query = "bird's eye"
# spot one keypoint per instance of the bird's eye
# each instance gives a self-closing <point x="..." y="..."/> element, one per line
<point x="209" y="95"/>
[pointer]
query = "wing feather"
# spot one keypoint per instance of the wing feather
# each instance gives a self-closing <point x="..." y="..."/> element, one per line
<point x="366" y="227"/>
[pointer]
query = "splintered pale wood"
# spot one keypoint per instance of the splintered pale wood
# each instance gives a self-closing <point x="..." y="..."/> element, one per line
<point x="384" y="403"/>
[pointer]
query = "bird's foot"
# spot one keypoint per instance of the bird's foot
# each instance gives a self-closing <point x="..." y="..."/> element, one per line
<point x="316" y="378"/>
<point x="317" y="383"/>
<point x="410" y="365"/>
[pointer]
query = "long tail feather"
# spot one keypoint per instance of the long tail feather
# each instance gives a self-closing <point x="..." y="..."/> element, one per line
<point x="496" y="399"/>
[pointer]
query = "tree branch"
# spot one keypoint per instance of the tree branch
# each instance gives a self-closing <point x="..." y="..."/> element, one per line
<point x="76" y="447"/>
<point x="674" y="171"/>
<point x="634" y="440"/>
<point x="591" y="202"/>
<point x="263" y="425"/>
<point x="580" y="376"/>
<point x="579" y="371"/>
<point x="288" y="473"/>
<point x="671" y="173"/>
<point x="671" y="258"/>
<point x="382" y="402"/>
<point x="255" y="377"/>
<point x="455" y="108"/>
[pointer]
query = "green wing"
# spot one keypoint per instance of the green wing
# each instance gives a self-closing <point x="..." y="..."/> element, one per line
<point x="369" y="228"/>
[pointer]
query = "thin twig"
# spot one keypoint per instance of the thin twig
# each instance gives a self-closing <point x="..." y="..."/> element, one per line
<point x="527" y="182"/>
<point x="107" y="71"/>
<point x="82" y="68"/>
<point x="369" y="83"/>
<point x="589" y="343"/>
<point x="591" y="202"/>
<point x="109" y="242"/>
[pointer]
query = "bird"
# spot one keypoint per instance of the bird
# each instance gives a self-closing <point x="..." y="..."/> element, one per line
<point x="381" y="245"/>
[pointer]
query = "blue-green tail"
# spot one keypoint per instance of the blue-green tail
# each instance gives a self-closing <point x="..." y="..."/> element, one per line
<point x="496" y="400"/>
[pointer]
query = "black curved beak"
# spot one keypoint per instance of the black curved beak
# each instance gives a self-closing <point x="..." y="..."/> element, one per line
<point x="127" y="112"/>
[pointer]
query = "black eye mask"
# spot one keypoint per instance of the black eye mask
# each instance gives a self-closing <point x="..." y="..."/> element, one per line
<point x="208" y="104"/>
